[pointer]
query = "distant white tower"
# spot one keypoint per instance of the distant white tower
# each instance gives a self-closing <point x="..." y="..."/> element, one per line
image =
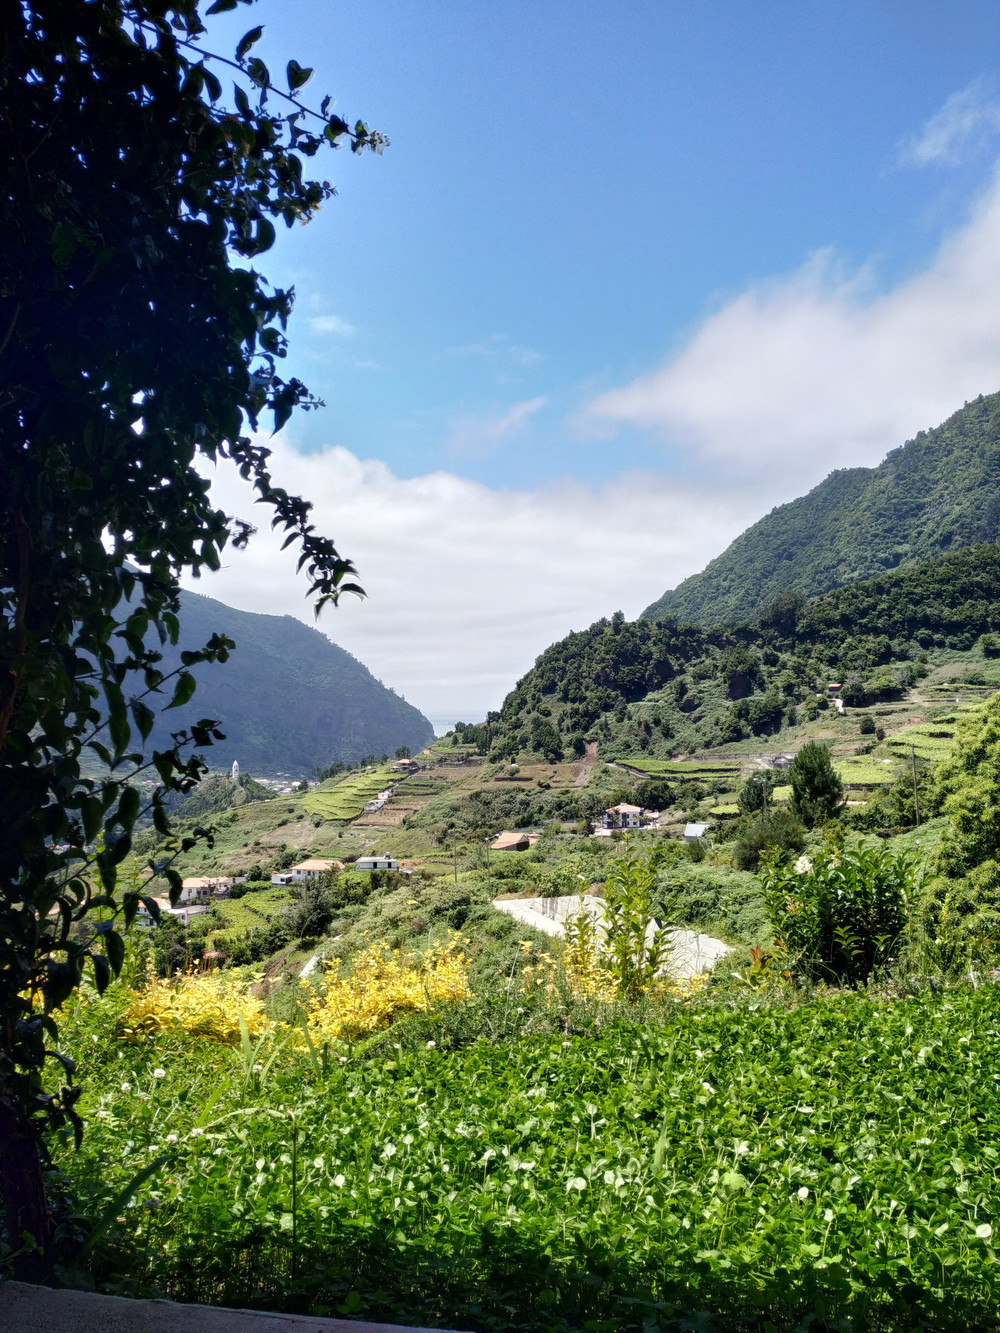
<point x="236" y="771"/>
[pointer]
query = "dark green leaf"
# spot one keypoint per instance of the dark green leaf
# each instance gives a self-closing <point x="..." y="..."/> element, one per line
<point x="247" y="41"/>
<point x="183" y="690"/>
<point x="297" y="76"/>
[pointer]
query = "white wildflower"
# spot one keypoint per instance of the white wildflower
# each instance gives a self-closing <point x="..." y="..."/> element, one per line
<point x="803" y="865"/>
<point x="171" y="1138"/>
<point x="803" y="1192"/>
<point x="431" y="1045"/>
<point x="159" y="1073"/>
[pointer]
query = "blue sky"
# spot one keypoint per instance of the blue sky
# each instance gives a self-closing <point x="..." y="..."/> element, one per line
<point x="626" y="277"/>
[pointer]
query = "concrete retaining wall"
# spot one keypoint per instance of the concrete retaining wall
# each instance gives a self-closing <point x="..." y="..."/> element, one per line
<point x="29" y="1309"/>
<point x="688" y="952"/>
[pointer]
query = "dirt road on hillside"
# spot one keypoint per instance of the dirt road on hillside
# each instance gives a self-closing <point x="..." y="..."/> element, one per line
<point x="583" y="769"/>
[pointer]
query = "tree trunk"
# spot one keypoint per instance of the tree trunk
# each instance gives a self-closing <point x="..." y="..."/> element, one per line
<point x="22" y="1186"/>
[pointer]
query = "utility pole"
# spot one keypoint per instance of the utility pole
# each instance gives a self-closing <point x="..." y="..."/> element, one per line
<point x="916" y="802"/>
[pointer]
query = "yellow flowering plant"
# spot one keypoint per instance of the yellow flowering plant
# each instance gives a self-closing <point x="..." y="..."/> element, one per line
<point x="383" y="985"/>
<point x="202" y="1004"/>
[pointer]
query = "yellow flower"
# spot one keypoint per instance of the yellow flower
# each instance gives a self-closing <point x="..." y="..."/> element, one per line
<point x="206" y="1004"/>
<point x="383" y="984"/>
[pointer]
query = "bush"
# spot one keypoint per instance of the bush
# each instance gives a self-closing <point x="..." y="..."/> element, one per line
<point x="841" y="912"/>
<point x="867" y="725"/>
<point x="779" y="831"/>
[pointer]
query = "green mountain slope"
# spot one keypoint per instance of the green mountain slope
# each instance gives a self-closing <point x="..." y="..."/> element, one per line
<point x="288" y="699"/>
<point x="938" y="492"/>
<point x="658" y="690"/>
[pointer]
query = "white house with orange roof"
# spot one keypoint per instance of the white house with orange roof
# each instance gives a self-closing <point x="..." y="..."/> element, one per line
<point x="313" y="868"/>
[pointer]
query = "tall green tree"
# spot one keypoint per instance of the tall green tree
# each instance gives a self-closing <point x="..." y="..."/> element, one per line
<point x="137" y="340"/>
<point x="817" y="791"/>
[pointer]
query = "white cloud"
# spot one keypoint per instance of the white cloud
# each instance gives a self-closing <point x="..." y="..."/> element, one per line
<point x="467" y="585"/>
<point x="331" y="324"/>
<point x="792" y="378"/>
<point x="967" y="119"/>
<point x="479" y="434"/>
<point x="498" y="347"/>
<point x="817" y="370"/>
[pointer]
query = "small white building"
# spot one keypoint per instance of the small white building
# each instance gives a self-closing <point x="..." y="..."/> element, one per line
<point x="376" y="863"/>
<point x="377" y="802"/>
<point x="144" y="917"/>
<point x="694" y="832"/>
<point x="623" y="815"/>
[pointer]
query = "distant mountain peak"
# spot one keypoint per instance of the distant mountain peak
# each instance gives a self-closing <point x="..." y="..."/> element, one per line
<point x="289" y="699"/>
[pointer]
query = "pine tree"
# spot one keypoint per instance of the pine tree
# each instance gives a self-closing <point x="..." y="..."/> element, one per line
<point x="817" y="791"/>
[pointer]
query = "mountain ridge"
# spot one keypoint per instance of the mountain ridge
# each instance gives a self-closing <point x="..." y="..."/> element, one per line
<point x="936" y="493"/>
<point x="289" y="699"/>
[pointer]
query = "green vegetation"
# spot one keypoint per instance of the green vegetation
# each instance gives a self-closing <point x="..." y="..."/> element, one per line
<point x="839" y="914"/>
<point x="346" y="798"/>
<point x="816" y="788"/>
<point x="142" y="344"/>
<point x="939" y="492"/>
<point x="831" y="1161"/>
<point x="811" y="1135"/>
<point x="649" y="692"/>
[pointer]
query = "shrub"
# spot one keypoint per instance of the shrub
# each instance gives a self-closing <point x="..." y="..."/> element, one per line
<point x="385" y="984"/>
<point x="207" y="1004"/>
<point x="839" y="913"/>
<point x="755" y="794"/>
<point x="779" y="831"/>
<point x="867" y="727"/>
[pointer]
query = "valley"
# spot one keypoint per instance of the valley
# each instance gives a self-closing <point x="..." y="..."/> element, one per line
<point x="677" y="971"/>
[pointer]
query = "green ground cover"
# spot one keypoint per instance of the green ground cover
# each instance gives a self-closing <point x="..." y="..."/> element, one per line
<point x="865" y="771"/>
<point x="345" y="798"/>
<point x="677" y="768"/>
<point x="830" y="1164"/>
<point x="254" y="909"/>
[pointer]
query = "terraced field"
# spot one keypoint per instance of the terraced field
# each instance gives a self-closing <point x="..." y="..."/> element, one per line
<point x="866" y="772"/>
<point x="684" y="768"/>
<point x="345" y="799"/>
<point x="254" y="909"/>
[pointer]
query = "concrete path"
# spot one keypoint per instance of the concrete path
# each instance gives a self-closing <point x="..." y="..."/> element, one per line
<point x="689" y="952"/>
<point x="29" y="1309"/>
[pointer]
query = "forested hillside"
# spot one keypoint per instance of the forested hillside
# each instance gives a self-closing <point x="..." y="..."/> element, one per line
<point x="937" y="493"/>
<point x="656" y="688"/>
<point x="288" y="698"/>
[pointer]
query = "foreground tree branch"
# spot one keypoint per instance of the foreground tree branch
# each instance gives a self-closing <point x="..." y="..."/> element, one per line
<point x="136" y="339"/>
